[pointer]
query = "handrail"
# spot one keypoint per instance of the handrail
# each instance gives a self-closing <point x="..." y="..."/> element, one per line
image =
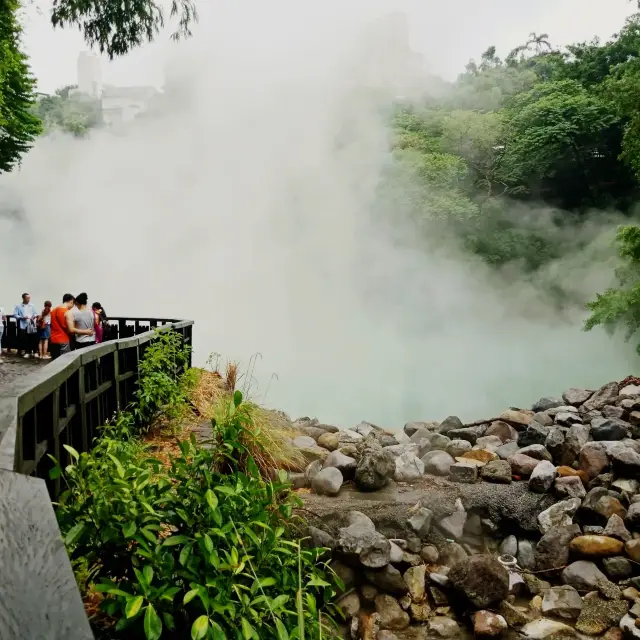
<point x="61" y="403"/>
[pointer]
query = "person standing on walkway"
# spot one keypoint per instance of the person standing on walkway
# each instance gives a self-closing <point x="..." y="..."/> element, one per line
<point x="60" y="340"/>
<point x="101" y="321"/>
<point x="81" y="323"/>
<point x="44" y="330"/>
<point x="25" y="315"/>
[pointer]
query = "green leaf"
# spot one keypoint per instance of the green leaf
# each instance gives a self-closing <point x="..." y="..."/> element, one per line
<point x="208" y="543"/>
<point x="55" y="472"/>
<point x="129" y="529"/>
<point x="172" y="541"/>
<point x="212" y="499"/>
<point x="282" y="632"/>
<point x="237" y="398"/>
<point x="133" y="606"/>
<point x="74" y="533"/>
<point x="262" y="583"/>
<point x="74" y="454"/>
<point x="317" y="582"/>
<point x="247" y="630"/>
<point x="118" y="465"/>
<point x="152" y="624"/>
<point x="199" y="628"/>
<point x="217" y="632"/>
<point x="190" y="595"/>
<point x="148" y="573"/>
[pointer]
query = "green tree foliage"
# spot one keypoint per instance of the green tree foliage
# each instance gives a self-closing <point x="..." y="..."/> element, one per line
<point x="18" y="126"/>
<point x="68" y="111"/>
<point x="115" y="28"/>
<point x="619" y="307"/>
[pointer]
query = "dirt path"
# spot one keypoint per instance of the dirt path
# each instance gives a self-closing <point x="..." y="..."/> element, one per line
<point x="12" y="368"/>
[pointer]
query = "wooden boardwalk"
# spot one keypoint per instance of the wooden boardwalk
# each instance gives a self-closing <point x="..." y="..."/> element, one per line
<point x="12" y="367"/>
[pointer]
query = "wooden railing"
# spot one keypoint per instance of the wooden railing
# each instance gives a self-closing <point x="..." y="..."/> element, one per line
<point x="61" y="403"/>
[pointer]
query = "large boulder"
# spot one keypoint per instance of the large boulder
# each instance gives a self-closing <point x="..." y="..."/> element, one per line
<point x="345" y="464"/>
<point x="450" y="423"/>
<point x="391" y="614"/>
<point x="375" y="466"/>
<point x="576" y="397"/>
<point x="327" y="482"/>
<point x="408" y="467"/>
<point x="607" y="394"/>
<point x="609" y="429"/>
<point x="437" y="463"/>
<point x="482" y="580"/>
<point x="360" y="543"/>
<point x="388" y="579"/>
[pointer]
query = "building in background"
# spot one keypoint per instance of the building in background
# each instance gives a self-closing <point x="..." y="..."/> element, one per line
<point x="89" y="75"/>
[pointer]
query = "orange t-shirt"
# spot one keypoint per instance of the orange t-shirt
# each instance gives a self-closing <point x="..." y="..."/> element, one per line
<point x="59" y="333"/>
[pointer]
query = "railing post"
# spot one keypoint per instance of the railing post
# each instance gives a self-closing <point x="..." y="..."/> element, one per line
<point x="83" y="408"/>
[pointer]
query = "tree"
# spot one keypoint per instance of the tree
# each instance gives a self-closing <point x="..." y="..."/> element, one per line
<point x="18" y="126"/>
<point x="619" y="307"/>
<point x="69" y="111"/>
<point x="115" y="27"/>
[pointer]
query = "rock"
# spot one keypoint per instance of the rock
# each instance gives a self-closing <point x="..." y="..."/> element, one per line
<point x="437" y="463"/>
<point x="615" y="528"/>
<point x="536" y="451"/>
<point x="503" y="430"/>
<point x="470" y="434"/>
<point x="534" y="434"/>
<point x="632" y="547"/>
<point x="304" y="442"/>
<point x="391" y="614"/>
<point x="487" y="623"/>
<point x="514" y="617"/>
<point x="411" y="427"/>
<point x="569" y="487"/>
<point x="368" y="592"/>
<point x="420" y="521"/>
<point x="633" y="516"/>
<point x="624" y="484"/>
<point x="453" y="525"/>
<point x="598" y="615"/>
<point x="414" y="578"/>
<point x="345" y="464"/>
<point x="452" y="553"/>
<point x="607" y="505"/>
<point x="482" y="579"/>
<point x="611" y="411"/>
<point x="575" y="438"/>
<point x="609" y="429"/>
<point x="519" y="419"/>
<point x="397" y="450"/>
<point x="489" y="443"/>
<point x="596" y="546"/>
<point x="625" y="461"/>
<point x="544" y="418"/>
<point x="443" y="627"/>
<point x="408" y="468"/>
<point x="365" y="428"/>
<point x="567" y="418"/>
<point x="542" y="477"/>
<point x="375" y="466"/>
<point x="564" y="472"/>
<point x="480" y="455"/>
<point x="628" y="625"/>
<point x="314" y="432"/>
<point x="396" y="555"/>
<point x="349" y="604"/>
<point x="313" y="454"/>
<point x="458" y="447"/>
<point x="522" y="465"/>
<point x="585" y="576"/>
<point x="552" y="550"/>
<point x="563" y="602"/>
<point x="329" y="441"/>
<point x="497" y="471"/>
<point x="321" y="538"/>
<point x="327" y="482"/>
<point x="463" y="472"/>
<point x="348" y="436"/>
<point x="420" y="612"/>
<point x="607" y="394"/>
<point x="576" y="397"/>
<point x="509" y="546"/>
<point x="449" y="424"/>
<point x="439" y="442"/>
<point x="558" y="515"/>
<point x="429" y="554"/>
<point x="526" y="555"/>
<point x="535" y="585"/>
<point x="346" y="574"/>
<point x="593" y="459"/>
<point x="617" y="568"/>
<point x="544" y="628"/>
<point x="507" y="450"/>
<point x="298" y="480"/>
<point x="364" y="544"/>
<point x="546" y="403"/>
<point x="554" y="444"/>
<point x="388" y="579"/>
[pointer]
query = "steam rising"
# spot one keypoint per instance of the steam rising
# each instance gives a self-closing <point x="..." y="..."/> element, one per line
<point x="249" y="210"/>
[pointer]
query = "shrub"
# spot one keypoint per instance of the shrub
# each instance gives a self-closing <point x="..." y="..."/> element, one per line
<point x="202" y="549"/>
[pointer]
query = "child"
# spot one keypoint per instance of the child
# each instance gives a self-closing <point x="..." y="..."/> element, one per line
<point x="44" y="330"/>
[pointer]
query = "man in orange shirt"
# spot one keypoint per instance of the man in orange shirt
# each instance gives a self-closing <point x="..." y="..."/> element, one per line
<point x="59" y="342"/>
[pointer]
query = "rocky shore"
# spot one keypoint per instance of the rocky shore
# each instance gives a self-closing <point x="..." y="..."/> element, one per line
<point x="526" y="525"/>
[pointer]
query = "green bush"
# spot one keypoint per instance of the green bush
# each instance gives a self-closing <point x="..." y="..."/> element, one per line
<point x="190" y="551"/>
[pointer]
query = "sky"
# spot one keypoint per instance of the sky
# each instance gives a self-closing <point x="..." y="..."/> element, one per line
<point x="448" y="34"/>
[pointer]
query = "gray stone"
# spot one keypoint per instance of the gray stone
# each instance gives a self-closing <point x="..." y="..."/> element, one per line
<point x="439" y="442"/>
<point x="345" y="464"/>
<point x="398" y="449"/>
<point x="298" y="480"/>
<point x="569" y="487"/>
<point x="534" y="434"/>
<point x="547" y="403"/>
<point x="585" y="576"/>
<point x="633" y="516"/>
<point x="408" y="468"/>
<point x="502" y="430"/>
<point x="349" y="604"/>
<point x="575" y="438"/>
<point x="625" y="461"/>
<point x="452" y="553"/>
<point x="630" y="486"/>
<point x="437" y="463"/>
<point x="411" y="427"/>
<point x="470" y="434"/>
<point x="611" y="411"/>
<point x="615" y="528"/>
<point x="420" y="521"/>
<point x="365" y="428"/>
<point x="593" y="459"/>
<point x="607" y="394"/>
<point x="617" y="568"/>
<point x="313" y="468"/>
<point x="420" y="434"/>
<point x="628" y="625"/>
<point x="522" y="465"/>
<point x="542" y="478"/>
<point x="327" y="482"/>
<point x="567" y="418"/>
<point x="453" y="525"/>
<point x="450" y="423"/>
<point x="304" y="442"/>
<point x="395" y="557"/>
<point x="507" y="450"/>
<point x="482" y="580"/>
<point x="489" y="443"/>
<point x="526" y="554"/>
<point x="554" y="444"/>
<point x="609" y="429"/>
<point x="544" y="628"/>
<point x="350" y="437"/>
<point x="558" y="515"/>
<point x="392" y="616"/>
<point x="359" y="542"/>
<point x="509" y="546"/>
<point x="388" y="579"/>
<point x="563" y="602"/>
<point x="552" y="550"/>
<point x="543" y="418"/>
<point x="321" y="538"/>
<point x="457" y="447"/>
<point x="576" y="397"/>
<point x="430" y="554"/>
<point x="375" y="466"/>
<point x="443" y="627"/>
<point x="497" y="471"/>
<point x="463" y="472"/>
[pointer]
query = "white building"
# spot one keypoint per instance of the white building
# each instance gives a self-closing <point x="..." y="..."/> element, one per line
<point x="89" y="75"/>
<point x="122" y="104"/>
